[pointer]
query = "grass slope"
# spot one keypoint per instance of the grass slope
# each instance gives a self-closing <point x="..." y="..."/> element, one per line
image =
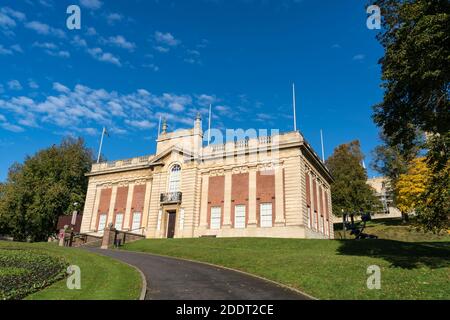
<point x="333" y="269"/>
<point x="101" y="277"/>
<point x="395" y="229"/>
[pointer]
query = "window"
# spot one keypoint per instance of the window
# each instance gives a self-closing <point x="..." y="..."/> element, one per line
<point x="119" y="221"/>
<point x="266" y="215"/>
<point x="216" y="217"/>
<point x="239" y="216"/>
<point x="136" y="224"/>
<point x="174" y="179"/>
<point x="101" y="222"/>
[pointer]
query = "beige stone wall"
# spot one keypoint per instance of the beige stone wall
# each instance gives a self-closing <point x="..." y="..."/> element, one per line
<point x="287" y="163"/>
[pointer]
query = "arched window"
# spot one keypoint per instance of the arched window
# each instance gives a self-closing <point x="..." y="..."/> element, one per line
<point x="174" y="179"/>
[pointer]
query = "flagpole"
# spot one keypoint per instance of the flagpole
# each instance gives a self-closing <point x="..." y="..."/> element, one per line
<point x="293" y="105"/>
<point x="321" y="141"/>
<point x="209" y="124"/>
<point x="101" y="144"/>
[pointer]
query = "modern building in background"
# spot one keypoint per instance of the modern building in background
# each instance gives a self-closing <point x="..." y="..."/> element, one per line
<point x="380" y="185"/>
<point x="259" y="186"/>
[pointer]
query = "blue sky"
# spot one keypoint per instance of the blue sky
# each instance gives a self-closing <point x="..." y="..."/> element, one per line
<point x="133" y="61"/>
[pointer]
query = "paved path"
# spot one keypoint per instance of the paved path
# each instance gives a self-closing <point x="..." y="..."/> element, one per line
<point x="173" y="279"/>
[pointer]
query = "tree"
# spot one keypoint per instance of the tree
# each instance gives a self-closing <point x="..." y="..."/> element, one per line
<point x="45" y="186"/>
<point x="392" y="163"/>
<point x="350" y="192"/>
<point x="411" y="186"/>
<point x="415" y="75"/>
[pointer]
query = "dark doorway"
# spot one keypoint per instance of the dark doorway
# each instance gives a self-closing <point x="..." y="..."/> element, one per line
<point x="171" y="224"/>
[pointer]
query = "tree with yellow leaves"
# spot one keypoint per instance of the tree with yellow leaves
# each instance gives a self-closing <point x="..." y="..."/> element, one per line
<point x="411" y="186"/>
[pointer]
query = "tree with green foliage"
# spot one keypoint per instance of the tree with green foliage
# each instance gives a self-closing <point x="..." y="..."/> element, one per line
<point x="45" y="186"/>
<point x="415" y="75"/>
<point x="392" y="163"/>
<point x="350" y="192"/>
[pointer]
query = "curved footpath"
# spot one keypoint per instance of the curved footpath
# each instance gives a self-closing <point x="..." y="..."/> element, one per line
<point x="175" y="279"/>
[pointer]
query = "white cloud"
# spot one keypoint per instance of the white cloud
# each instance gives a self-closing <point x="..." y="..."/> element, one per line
<point x="11" y="127"/>
<point x="140" y="124"/>
<point x="91" y="31"/>
<point x="166" y="39"/>
<point x="91" y="4"/>
<point x="45" y="45"/>
<point x="359" y="57"/>
<point x="17" y="48"/>
<point x="4" y="51"/>
<point x="119" y="41"/>
<point x="17" y="15"/>
<point x="60" y="88"/>
<point x="45" y="29"/>
<point x="79" y="42"/>
<point x="162" y="49"/>
<point x="60" y="54"/>
<point x="6" y="22"/>
<point x="151" y="66"/>
<point x="112" y="18"/>
<point x="98" y="54"/>
<point x="82" y="108"/>
<point x="14" y="85"/>
<point x="32" y="84"/>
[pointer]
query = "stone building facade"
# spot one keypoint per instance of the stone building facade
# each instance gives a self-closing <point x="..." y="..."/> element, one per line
<point x="266" y="186"/>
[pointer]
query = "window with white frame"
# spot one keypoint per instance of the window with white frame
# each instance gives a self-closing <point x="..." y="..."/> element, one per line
<point x="102" y="222"/>
<point x="174" y="178"/>
<point x="266" y="215"/>
<point x="119" y="221"/>
<point x="136" y="223"/>
<point x="216" y="217"/>
<point x="239" y="216"/>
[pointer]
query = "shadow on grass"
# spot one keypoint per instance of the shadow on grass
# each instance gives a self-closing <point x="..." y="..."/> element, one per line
<point x="407" y="255"/>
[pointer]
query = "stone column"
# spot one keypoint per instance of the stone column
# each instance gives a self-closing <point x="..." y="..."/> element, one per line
<point x="108" y="237"/>
<point x="204" y="201"/>
<point x="146" y="210"/>
<point x="252" y="197"/>
<point x="279" y="196"/>
<point x="227" y="200"/>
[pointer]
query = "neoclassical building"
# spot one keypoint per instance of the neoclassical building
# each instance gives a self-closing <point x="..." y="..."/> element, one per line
<point x="258" y="186"/>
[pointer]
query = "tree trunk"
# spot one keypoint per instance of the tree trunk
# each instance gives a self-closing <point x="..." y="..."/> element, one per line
<point x="405" y="217"/>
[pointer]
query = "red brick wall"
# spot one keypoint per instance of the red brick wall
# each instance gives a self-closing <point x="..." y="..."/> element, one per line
<point x="105" y="199"/>
<point x="216" y="191"/>
<point x="137" y="204"/>
<point x="239" y="194"/>
<point x="265" y="192"/>
<point x="121" y="201"/>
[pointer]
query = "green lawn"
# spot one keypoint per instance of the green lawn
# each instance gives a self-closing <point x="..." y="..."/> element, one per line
<point x="101" y="277"/>
<point x="395" y="229"/>
<point x="326" y="269"/>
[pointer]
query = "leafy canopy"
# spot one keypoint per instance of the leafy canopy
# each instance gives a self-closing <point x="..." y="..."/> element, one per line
<point x="350" y="193"/>
<point x="45" y="186"/>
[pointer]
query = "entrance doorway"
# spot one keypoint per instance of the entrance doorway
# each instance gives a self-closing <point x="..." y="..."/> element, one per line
<point x="171" y="216"/>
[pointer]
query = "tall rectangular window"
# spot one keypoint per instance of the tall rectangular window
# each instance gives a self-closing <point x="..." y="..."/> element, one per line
<point x="119" y="221"/>
<point x="136" y="223"/>
<point x="216" y="217"/>
<point x="239" y="216"/>
<point x="102" y="222"/>
<point x="266" y="215"/>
